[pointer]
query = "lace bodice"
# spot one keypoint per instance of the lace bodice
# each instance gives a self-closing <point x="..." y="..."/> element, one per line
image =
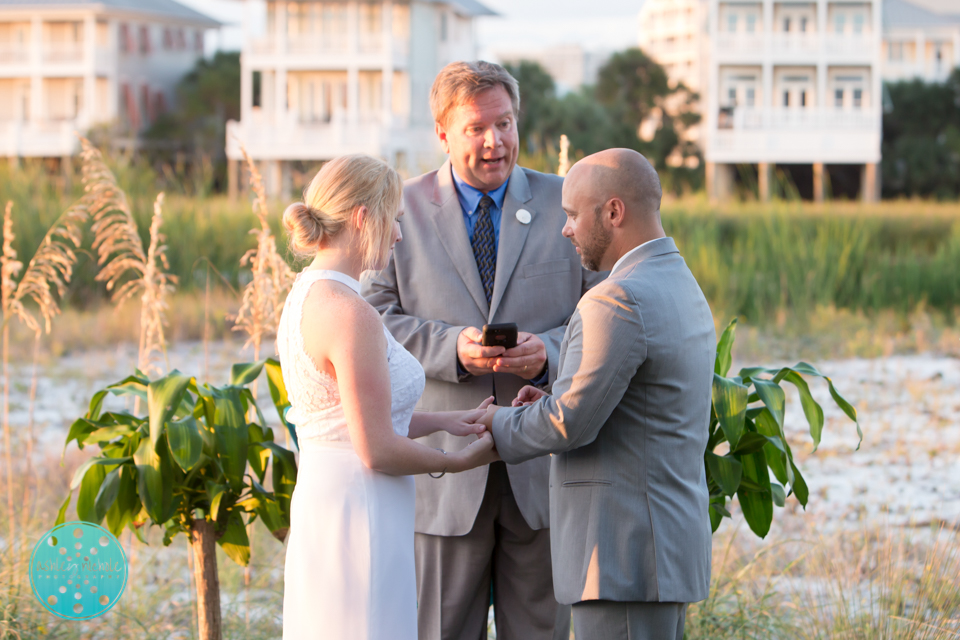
<point x="314" y="395"/>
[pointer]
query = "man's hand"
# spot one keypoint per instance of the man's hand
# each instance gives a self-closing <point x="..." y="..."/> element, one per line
<point x="487" y="419"/>
<point x="526" y="360"/>
<point x="476" y="358"/>
<point x="528" y="395"/>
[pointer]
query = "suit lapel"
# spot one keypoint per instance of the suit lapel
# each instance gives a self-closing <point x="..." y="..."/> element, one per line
<point x="448" y="221"/>
<point x="512" y="235"/>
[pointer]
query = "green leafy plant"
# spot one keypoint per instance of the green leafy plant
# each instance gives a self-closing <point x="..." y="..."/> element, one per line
<point x="194" y="464"/>
<point x="748" y="418"/>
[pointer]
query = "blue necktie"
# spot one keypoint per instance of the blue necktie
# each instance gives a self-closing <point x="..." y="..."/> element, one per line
<point x="485" y="247"/>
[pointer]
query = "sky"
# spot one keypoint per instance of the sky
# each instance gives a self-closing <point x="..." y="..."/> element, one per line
<point x="609" y="25"/>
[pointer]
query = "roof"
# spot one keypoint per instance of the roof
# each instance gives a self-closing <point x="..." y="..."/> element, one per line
<point x="160" y="8"/>
<point x="900" y="13"/>
<point x="472" y="8"/>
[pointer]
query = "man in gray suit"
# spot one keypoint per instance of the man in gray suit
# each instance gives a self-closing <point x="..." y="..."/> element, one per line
<point x="628" y="418"/>
<point x="481" y="244"/>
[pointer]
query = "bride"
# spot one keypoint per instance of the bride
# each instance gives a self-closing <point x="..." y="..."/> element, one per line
<point x="349" y="571"/>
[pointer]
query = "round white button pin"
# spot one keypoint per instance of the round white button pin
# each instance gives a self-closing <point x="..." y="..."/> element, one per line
<point x="523" y="216"/>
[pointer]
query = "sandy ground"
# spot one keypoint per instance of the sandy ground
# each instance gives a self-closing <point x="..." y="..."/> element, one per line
<point x="906" y="472"/>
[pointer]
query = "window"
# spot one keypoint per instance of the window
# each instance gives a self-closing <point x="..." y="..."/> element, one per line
<point x="732" y="95"/>
<point x="751" y="23"/>
<point x="732" y="23"/>
<point x="803" y="98"/>
<point x="786" y="24"/>
<point x="167" y="39"/>
<point x="803" y="25"/>
<point x="838" y="98"/>
<point x="181" y="40"/>
<point x="858" y="22"/>
<point x="126" y="44"/>
<point x="198" y="41"/>
<point x="144" y="39"/>
<point x="895" y="51"/>
<point x="839" y="23"/>
<point x="257" y="89"/>
<point x="857" y="98"/>
<point x="786" y="98"/>
<point x="751" y="96"/>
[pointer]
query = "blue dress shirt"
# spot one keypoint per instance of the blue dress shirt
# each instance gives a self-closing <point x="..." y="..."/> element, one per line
<point x="469" y="198"/>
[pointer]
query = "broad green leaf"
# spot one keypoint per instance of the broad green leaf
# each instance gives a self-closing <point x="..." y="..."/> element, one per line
<point x="257" y="455"/>
<point x="244" y="373"/>
<point x="778" y="495"/>
<point x="268" y="509"/>
<point x="150" y="479"/>
<point x="284" y="475"/>
<point x="725" y="471"/>
<point x="79" y="431"/>
<point x="235" y="542"/>
<point x="811" y="409"/>
<point x="750" y="442"/>
<point x="772" y="397"/>
<point x="730" y="404"/>
<point x="62" y="513"/>
<point x="131" y="386"/>
<point x="107" y="494"/>
<point x="163" y="399"/>
<point x="799" y="486"/>
<point x="105" y="434"/>
<point x="127" y="505"/>
<point x="757" y="506"/>
<point x="724" y="347"/>
<point x="718" y="512"/>
<point x="186" y="443"/>
<point x="96" y="404"/>
<point x="89" y="488"/>
<point x="230" y="428"/>
<point x="82" y="469"/>
<point x="278" y="393"/>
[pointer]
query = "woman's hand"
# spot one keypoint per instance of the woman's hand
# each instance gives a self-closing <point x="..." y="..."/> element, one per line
<point x="476" y="454"/>
<point x="467" y="423"/>
<point x="528" y="395"/>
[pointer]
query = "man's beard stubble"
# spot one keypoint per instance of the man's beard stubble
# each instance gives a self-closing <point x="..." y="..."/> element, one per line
<point x="597" y="243"/>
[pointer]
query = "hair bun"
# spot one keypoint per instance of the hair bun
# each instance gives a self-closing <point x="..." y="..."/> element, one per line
<point x="305" y="228"/>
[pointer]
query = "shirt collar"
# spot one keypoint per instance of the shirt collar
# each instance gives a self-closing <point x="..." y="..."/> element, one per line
<point x="634" y="250"/>
<point x="470" y="196"/>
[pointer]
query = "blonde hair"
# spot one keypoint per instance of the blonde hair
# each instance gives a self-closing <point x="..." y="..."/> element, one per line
<point x="329" y="202"/>
<point x="459" y="82"/>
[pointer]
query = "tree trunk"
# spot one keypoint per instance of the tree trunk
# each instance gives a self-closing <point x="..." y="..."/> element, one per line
<point x="204" y="542"/>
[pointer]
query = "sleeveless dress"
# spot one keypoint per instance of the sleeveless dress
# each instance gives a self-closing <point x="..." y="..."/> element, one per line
<point x="349" y="571"/>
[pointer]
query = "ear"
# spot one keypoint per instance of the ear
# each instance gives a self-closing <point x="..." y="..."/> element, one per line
<point x="616" y="212"/>
<point x="442" y="135"/>
<point x="360" y="216"/>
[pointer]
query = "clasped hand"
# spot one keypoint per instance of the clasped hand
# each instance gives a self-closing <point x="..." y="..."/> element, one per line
<point x="526" y="360"/>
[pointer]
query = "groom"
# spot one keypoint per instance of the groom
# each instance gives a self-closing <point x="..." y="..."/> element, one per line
<point x="628" y="418"/>
<point x="481" y="244"/>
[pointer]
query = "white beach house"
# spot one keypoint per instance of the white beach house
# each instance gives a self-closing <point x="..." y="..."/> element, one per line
<point x="337" y="77"/>
<point x="66" y="65"/>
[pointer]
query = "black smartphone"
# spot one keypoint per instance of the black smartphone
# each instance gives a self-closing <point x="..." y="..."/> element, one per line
<point x="503" y="334"/>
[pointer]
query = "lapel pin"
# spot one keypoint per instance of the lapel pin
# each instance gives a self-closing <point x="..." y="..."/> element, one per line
<point x="523" y="216"/>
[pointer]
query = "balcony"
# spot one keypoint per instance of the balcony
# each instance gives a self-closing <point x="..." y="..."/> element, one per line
<point x="14" y="53"/>
<point x="792" y="47"/>
<point x="60" y="52"/>
<point x="748" y="134"/>
<point x="304" y="141"/>
<point x="369" y="47"/>
<point x="43" y="139"/>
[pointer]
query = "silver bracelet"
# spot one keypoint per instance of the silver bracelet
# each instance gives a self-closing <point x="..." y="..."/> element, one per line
<point x="442" y="472"/>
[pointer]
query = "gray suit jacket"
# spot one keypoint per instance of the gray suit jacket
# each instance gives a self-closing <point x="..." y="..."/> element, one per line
<point x="628" y="421"/>
<point x="431" y="290"/>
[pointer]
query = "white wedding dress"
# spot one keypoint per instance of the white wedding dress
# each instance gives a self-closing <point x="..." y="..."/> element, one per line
<point x="349" y="571"/>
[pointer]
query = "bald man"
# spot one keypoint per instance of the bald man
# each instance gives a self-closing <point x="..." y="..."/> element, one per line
<point x="627" y="420"/>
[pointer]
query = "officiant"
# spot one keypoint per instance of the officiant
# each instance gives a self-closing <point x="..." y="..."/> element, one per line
<point x="482" y="244"/>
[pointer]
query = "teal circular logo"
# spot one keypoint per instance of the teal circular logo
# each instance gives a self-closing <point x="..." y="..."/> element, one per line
<point x="78" y="570"/>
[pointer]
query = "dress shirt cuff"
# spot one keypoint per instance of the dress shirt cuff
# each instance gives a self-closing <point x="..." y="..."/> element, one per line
<point x="462" y="374"/>
<point x="542" y="379"/>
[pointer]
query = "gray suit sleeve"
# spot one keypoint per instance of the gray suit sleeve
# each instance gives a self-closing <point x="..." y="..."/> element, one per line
<point x="432" y="342"/>
<point x="605" y="347"/>
<point x="554" y="337"/>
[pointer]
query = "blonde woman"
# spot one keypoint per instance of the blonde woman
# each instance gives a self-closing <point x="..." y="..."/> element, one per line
<point x="349" y="571"/>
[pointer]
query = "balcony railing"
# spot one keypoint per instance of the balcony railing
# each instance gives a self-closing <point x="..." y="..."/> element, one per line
<point x="14" y="53"/>
<point x="799" y="119"/>
<point x="781" y="44"/>
<point x="42" y="139"/>
<point x="321" y="44"/>
<point x="62" y="52"/>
